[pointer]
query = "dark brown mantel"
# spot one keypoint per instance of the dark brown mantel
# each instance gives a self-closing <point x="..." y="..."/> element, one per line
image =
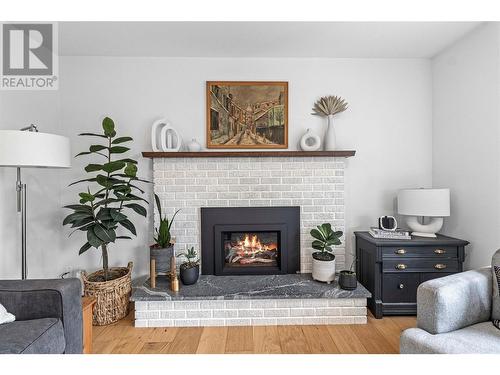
<point x="229" y="154"/>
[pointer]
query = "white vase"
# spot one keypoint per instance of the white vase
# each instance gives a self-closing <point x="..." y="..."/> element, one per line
<point x="323" y="270"/>
<point x="329" y="140"/>
<point x="310" y="141"/>
<point x="194" y="146"/>
<point x="170" y="139"/>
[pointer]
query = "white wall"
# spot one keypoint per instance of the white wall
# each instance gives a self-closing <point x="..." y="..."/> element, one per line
<point x="388" y="124"/>
<point x="466" y="141"/>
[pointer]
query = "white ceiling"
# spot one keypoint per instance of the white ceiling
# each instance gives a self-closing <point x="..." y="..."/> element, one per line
<point x="260" y="39"/>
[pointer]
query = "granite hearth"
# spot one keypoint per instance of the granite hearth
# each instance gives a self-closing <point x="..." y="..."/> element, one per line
<point x="247" y="300"/>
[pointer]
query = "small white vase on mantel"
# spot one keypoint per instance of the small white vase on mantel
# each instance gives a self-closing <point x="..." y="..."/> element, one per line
<point x="329" y="140"/>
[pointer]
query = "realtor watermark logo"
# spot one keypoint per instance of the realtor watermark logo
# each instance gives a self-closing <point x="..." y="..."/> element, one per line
<point x="29" y="59"/>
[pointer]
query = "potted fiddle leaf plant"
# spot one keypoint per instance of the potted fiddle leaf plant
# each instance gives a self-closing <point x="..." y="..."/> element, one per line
<point x="163" y="248"/>
<point x="102" y="212"/>
<point x="190" y="269"/>
<point x="323" y="262"/>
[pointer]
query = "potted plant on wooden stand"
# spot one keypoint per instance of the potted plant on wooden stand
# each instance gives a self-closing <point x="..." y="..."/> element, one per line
<point x="189" y="270"/>
<point x="101" y="212"/>
<point x="323" y="262"/>
<point x="163" y="248"/>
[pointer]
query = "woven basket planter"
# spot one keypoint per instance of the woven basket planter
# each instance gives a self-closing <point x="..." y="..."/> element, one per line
<point x="112" y="296"/>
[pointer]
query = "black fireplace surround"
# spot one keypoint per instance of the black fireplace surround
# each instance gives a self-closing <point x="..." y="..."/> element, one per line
<point x="250" y="240"/>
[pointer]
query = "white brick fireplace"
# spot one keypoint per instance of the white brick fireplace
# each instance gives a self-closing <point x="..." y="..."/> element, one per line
<point x="316" y="184"/>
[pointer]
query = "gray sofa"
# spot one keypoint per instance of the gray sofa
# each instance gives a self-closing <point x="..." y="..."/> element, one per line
<point x="454" y="316"/>
<point x="48" y="316"/>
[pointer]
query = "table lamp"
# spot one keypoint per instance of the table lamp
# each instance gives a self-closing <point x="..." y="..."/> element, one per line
<point x="433" y="203"/>
<point x="27" y="148"/>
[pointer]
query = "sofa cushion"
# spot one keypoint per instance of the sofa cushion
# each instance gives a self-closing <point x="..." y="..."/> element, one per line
<point x="495" y="308"/>
<point x="37" y="336"/>
<point x="478" y="338"/>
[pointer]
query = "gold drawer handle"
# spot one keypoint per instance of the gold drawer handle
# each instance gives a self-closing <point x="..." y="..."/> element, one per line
<point x="400" y="251"/>
<point x="400" y="266"/>
<point x="440" y="266"/>
<point x="439" y="251"/>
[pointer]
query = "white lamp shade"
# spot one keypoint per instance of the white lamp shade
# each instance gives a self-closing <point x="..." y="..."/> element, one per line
<point x="424" y="202"/>
<point x="33" y="149"/>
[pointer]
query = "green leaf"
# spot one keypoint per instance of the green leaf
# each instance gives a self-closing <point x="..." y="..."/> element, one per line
<point x="83" y="222"/>
<point x="338" y="233"/>
<point x="104" y="214"/>
<point x="82" y="153"/>
<point x="104" y="181"/>
<point x="84" y="248"/>
<point x="137" y="208"/>
<point x="93" y="135"/>
<point x="86" y="197"/>
<point x="95" y="148"/>
<point x="113" y="166"/>
<point x="128" y="160"/>
<point x="127" y="224"/>
<point x="93" y="167"/>
<point x="106" y="235"/>
<point x="117" y="216"/>
<point x="158" y="204"/>
<point x="317" y="234"/>
<point x="79" y="208"/>
<point x="75" y="217"/>
<point x="118" y="149"/>
<point x="136" y="187"/>
<point x="132" y="197"/>
<point x="92" y="239"/>
<point x="131" y="170"/>
<point x="121" y="140"/>
<point x="327" y="228"/>
<point x="108" y="126"/>
<point x="318" y="245"/>
<point x="93" y="179"/>
<point x="123" y="238"/>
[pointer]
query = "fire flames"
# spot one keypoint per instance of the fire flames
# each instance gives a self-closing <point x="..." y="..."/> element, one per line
<point x="250" y="250"/>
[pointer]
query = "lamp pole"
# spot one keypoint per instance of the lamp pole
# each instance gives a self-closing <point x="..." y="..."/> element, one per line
<point x="21" y="207"/>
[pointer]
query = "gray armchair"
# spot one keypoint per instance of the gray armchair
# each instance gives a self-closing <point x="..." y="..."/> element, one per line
<point x="48" y="316"/>
<point x="454" y="316"/>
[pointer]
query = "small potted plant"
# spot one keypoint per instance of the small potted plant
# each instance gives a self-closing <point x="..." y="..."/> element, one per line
<point x="190" y="269"/>
<point x="323" y="262"/>
<point x="347" y="278"/>
<point x="163" y="248"/>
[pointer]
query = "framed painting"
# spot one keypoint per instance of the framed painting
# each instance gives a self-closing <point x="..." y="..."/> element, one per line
<point x="242" y="115"/>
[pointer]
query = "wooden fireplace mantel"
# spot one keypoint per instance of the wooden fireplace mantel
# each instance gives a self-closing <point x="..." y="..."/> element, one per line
<point x="229" y="154"/>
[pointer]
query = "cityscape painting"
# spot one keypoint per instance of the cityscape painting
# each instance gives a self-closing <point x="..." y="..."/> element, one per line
<point x="247" y="114"/>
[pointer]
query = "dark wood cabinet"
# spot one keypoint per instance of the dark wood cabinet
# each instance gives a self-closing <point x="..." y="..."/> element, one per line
<point x="393" y="269"/>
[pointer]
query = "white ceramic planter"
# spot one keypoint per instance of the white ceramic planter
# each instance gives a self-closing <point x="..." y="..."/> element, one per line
<point x="323" y="270"/>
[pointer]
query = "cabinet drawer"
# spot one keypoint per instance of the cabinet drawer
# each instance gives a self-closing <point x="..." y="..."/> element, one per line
<point x="420" y="265"/>
<point x="397" y="288"/>
<point x="420" y="251"/>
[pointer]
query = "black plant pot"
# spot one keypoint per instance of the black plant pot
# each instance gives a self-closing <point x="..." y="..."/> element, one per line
<point x="189" y="276"/>
<point x="347" y="280"/>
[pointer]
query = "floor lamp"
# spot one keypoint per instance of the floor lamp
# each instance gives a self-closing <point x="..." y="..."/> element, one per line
<point x="27" y="148"/>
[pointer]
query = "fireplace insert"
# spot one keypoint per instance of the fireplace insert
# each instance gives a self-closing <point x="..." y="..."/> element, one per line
<point x="250" y="240"/>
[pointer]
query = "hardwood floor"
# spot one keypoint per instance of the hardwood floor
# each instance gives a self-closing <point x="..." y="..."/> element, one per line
<point x="379" y="336"/>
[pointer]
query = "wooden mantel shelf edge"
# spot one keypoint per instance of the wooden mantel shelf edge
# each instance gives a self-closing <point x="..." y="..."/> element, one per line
<point x="228" y="154"/>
